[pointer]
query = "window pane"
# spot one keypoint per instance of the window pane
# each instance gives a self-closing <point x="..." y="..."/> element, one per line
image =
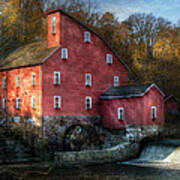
<point x="88" y="103"/>
<point x="33" y="79"/>
<point x="87" y="37"/>
<point x="116" y="81"/>
<point x="64" y="53"/>
<point x="109" y="58"/>
<point x="53" y="30"/>
<point x="88" y="81"/>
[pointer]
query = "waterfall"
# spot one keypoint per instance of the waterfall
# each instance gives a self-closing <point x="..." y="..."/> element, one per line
<point x="159" y="151"/>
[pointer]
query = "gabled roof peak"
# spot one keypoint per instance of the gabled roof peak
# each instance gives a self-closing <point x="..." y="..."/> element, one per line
<point x="129" y="91"/>
<point x="48" y="12"/>
<point x="172" y="96"/>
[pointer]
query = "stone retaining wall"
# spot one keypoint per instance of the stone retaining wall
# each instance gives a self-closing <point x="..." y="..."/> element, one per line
<point x="15" y="151"/>
<point x="121" y="152"/>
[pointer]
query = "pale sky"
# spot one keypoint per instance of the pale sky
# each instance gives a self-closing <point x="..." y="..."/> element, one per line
<point x="168" y="9"/>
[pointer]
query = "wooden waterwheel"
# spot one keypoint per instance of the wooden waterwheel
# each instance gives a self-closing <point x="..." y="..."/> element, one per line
<point x="78" y="137"/>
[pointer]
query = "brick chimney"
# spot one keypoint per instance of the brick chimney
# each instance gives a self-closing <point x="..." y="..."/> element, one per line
<point x="53" y="28"/>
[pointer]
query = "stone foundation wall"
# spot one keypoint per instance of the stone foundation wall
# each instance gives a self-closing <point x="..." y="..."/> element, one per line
<point x="54" y="127"/>
<point x="35" y="121"/>
<point x="139" y="132"/>
<point x="132" y="133"/>
<point x="121" y="152"/>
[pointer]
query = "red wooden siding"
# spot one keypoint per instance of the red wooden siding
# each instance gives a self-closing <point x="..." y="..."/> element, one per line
<point x="82" y="58"/>
<point x="53" y="39"/>
<point x="137" y="110"/>
<point x="153" y="98"/>
<point x="24" y="92"/>
<point x="133" y="107"/>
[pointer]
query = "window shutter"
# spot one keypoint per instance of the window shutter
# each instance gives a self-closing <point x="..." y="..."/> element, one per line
<point x="59" y="102"/>
<point x="54" y="102"/>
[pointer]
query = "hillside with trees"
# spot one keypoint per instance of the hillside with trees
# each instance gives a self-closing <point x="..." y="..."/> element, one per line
<point x="149" y="45"/>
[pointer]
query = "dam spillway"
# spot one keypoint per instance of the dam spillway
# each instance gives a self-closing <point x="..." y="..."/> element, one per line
<point x="159" y="151"/>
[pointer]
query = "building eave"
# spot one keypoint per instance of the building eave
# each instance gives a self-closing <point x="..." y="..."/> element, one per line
<point x="172" y="96"/>
<point x="47" y="57"/>
<point x="85" y="26"/>
<point x="133" y="95"/>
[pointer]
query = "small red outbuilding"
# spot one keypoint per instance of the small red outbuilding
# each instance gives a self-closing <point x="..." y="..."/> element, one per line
<point x="172" y="104"/>
<point x="132" y="105"/>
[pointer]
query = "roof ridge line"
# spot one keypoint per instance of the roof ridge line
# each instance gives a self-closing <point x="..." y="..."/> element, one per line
<point x="85" y="26"/>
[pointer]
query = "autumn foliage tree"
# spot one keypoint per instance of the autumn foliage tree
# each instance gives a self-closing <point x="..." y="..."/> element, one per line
<point x="22" y="21"/>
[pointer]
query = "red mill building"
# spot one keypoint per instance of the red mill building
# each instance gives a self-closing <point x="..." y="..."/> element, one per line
<point x="61" y="80"/>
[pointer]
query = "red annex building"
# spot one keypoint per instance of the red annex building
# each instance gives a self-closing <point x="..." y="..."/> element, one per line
<point x="62" y="78"/>
<point x="132" y="105"/>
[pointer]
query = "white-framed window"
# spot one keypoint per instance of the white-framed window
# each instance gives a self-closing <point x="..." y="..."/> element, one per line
<point x="31" y="121"/>
<point x="88" y="79"/>
<point x="153" y="112"/>
<point x="4" y="82"/>
<point x="16" y="119"/>
<point x="57" y="78"/>
<point x="109" y="58"/>
<point x="64" y="53"/>
<point x="4" y="103"/>
<point x="53" y="24"/>
<point x="87" y="36"/>
<point x="17" y="81"/>
<point x="116" y="81"/>
<point x="33" y="79"/>
<point x="88" y="102"/>
<point x="57" y="102"/>
<point x="121" y="113"/>
<point x="18" y="103"/>
<point x="33" y="102"/>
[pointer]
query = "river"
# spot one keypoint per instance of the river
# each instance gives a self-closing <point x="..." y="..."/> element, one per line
<point x="112" y="171"/>
<point x="157" y="161"/>
<point x="120" y="171"/>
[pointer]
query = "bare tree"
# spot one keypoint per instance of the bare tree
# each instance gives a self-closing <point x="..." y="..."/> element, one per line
<point x="146" y="28"/>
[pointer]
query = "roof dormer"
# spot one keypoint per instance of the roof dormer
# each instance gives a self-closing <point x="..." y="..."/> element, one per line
<point x="53" y="28"/>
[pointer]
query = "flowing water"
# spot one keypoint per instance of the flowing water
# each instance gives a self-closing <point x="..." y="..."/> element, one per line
<point x="159" y="151"/>
<point x="157" y="161"/>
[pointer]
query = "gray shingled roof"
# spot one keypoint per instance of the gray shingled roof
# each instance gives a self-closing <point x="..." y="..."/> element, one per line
<point x="128" y="91"/>
<point x="28" y="55"/>
<point x="35" y="53"/>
